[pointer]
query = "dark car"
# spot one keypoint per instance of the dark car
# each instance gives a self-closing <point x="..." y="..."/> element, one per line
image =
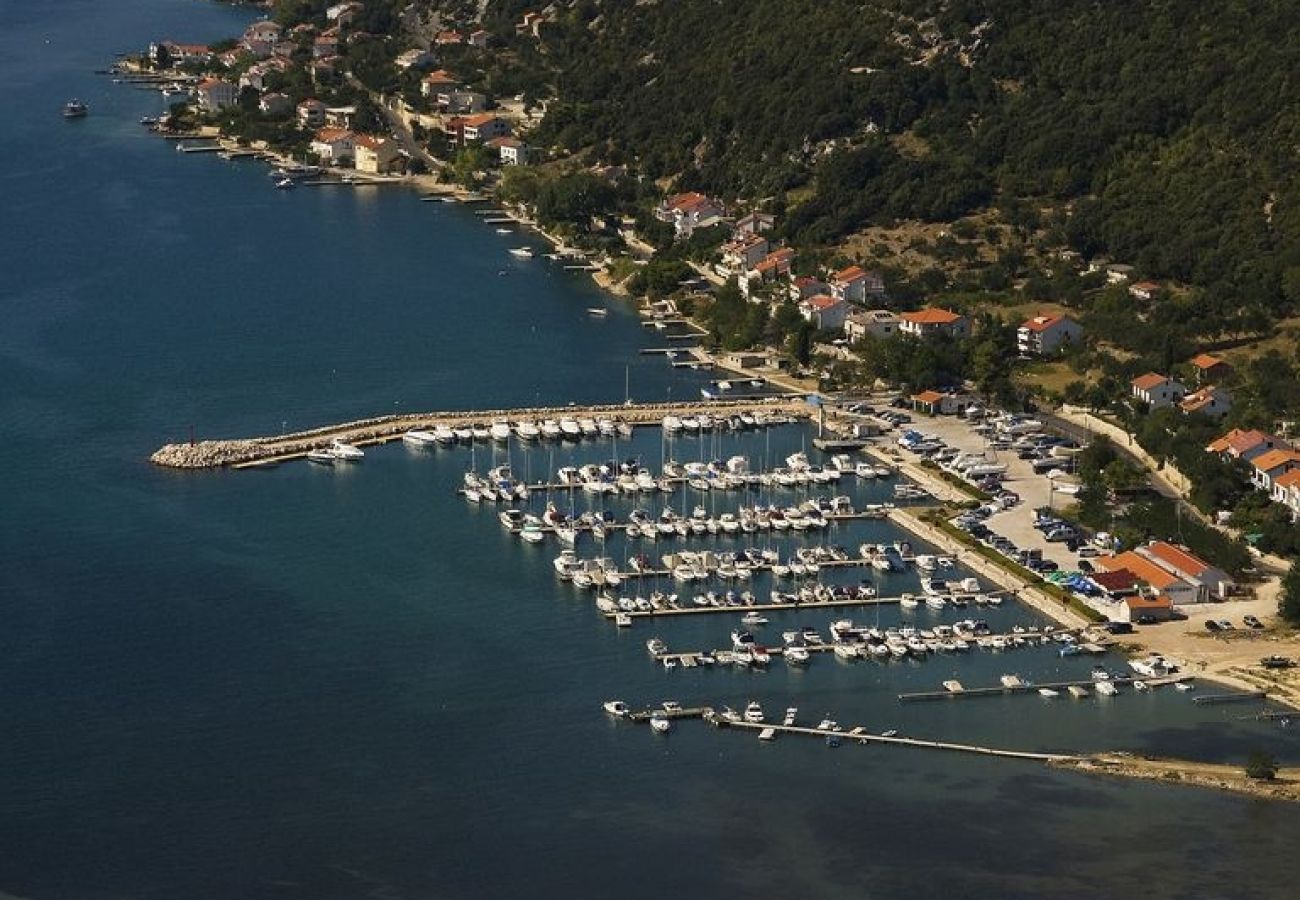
<point x="1252" y="622"/>
<point x="1211" y="625"/>
<point x="1119" y="627"/>
<point x="1085" y="567"/>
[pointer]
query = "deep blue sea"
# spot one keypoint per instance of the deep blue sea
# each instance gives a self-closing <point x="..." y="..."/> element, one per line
<point x="312" y="683"/>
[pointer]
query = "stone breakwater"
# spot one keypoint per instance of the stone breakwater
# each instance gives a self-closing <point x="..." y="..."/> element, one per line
<point x="211" y="454"/>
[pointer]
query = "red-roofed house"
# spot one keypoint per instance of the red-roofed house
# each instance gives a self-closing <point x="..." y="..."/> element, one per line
<point x="804" y="286"/>
<point x="930" y="321"/>
<point x="824" y="312"/>
<point x="1147" y="609"/>
<point x="1210" y="581"/>
<point x="376" y="155"/>
<point x="742" y="253"/>
<point x="1286" y="490"/>
<point x="1144" y="290"/>
<point x="215" y="94"/>
<point x="689" y="211"/>
<point x="1157" y="390"/>
<point x="1244" y="445"/>
<point x="180" y="53"/>
<point x="1044" y="335"/>
<point x="1116" y="584"/>
<point x="852" y="285"/>
<point x="928" y="402"/>
<point x="311" y="113"/>
<point x="1157" y="578"/>
<point x="1209" y="368"/>
<point x="1270" y="466"/>
<point x="511" y="151"/>
<point x="1208" y="401"/>
<point x="532" y="24"/>
<point x="449" y="37"/>
<point x="334" y="146"/>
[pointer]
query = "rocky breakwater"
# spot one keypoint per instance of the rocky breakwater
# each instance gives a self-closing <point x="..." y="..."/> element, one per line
<point x="206" y="454"/>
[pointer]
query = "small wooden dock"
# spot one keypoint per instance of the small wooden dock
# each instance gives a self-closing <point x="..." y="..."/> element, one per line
<point x="1215" y="699"/>
<point x="1033" y="688"/>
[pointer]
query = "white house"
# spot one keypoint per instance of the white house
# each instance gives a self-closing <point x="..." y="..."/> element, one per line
<point x="1269" y="467"/>
<point x="375" y="155"/>
<point x="1211" y="582"/>
<point x="742" y="253"/>
<point x="1158" y="391"/>
<point x="852" y="285"/>
<point x="511" y="151"/>
<point x="311" y="114"/>
<point x="879" y="323"/>
<point x="334" y="146"/>
<point x="1286" y="491"/>
<point x="1044" y="335"/>
<point x="413" y="59"/>
<point x="930" y="322"/>
<point x="824" y="312"/>
<point x="686" y="212"/>
<point x="1209" y="401"/>
<point x="483" y="127"/>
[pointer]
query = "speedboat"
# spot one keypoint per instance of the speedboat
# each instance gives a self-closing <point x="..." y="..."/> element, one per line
<point x="527" y="431"/>
<point x="660" y="723"/>
<point x="500" y="431"/>
<point x="615" y="708"/>
<point x="419" y="438"/>
<point x="444" y="435"/>
<point x="1048" y="692"/>
<point x="346" y="452"/>
<point x="521" y="252"/>
<point x="75" y="109"/>
<point x="321" y="456"/>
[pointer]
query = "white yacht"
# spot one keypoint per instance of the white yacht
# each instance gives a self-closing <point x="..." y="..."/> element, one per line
<point x="444" y="435"/>
<point x="615" y="708"/>
<point x="550" y="429"/>
<point x="527" y="431"/>
<point x="754" y="712"/>
<point x="321" y="456"/>
<point x="346" y="452"/>
<point x="418" y="438"/>
<point x="660" y="723"/>
<point x="569" y="428"/>
<point x="521" y="252"/>
<point x="500" y="431"/>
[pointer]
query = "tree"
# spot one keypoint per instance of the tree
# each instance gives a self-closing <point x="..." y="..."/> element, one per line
<point x="1289" y="603"/>
<point x="1262" y="766"/>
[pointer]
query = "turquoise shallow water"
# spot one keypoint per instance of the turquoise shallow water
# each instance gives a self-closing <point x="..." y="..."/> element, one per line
<point x="312" y="683"/>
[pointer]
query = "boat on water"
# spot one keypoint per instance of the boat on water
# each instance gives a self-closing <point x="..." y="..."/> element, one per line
<point x="1107" y="688"/>
<point x="285" y="184"/>
<point x="767" y="734"/>
<point x="615" y="708"/>
<point x="346" y="452"/>
<point x="597" y="311"/>
<point x="504" y="231"/>
<point x="419" y="438"/>
<point x="521" y="252"/>
<point x="754" y="712"/>
<point x="75" y="109"/>
<point x="1078" y="690"/>
<point x="1048" y="692"/>
<point x="321" y="456"/>
<point x="500" y="431"/>
<point x="660" y="723"/>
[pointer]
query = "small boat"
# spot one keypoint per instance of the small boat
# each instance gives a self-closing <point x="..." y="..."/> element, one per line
<point x="1048" y="692"/>
<point x="346" y="452"/>
<point x="767" y="734"/>
<point x="321" y="456"/>
<point x="754" y="712"/>
<point x="615" y="708"/>
<point x="1141" y="685"/>
<point x="75" y="109"/>
<point x="419" y="438"/>
<point x="790" y="713"/>
<point x="753" y="618"/>
<point x="1077" y="691"/>
<point x="1107" y="688"/>
<point x="892" y="732"/>
<point x="623" y="620"/>
<point x="285" y="184"/>
<point x="1185" y="686"/>
<point x="521" y="252"/>
<point x="660" y="723"/>
<point x="504" y="231"/>
<point x="597" y="311"/>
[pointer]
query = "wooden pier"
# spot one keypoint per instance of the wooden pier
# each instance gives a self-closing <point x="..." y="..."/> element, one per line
<point x="757" y="607"/>
<point x="1214" y="699"/>
<point x="1033" y="688"/>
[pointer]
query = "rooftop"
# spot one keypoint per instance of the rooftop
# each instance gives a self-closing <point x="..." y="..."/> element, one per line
<point x="1266" y="462"/>
<point x="1178" y="559"/>
<point x="931" y="316"/>
<point x="1150" y="380"/>
<point x="1141" y="567"/>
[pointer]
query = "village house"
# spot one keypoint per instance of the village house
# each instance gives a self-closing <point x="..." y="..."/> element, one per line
<point x="531" y="24"/>
<point x="179" y="53"/>
<point x="1286" y="491"/>
<point x="511" y="151"/>
<point x="879" y="323"/>
<point x="755" y="223"/>
<point x="1118" y="273"/>
<point x="376" y="155"/>
<point x="334" y="146"/>
<point x="929" y="322"/>
<point x="340" y="116"/>
<point x="1245" y="445"/>
<point x="326" y="44"/>
<point x="826" y="313"/>
<point x="275" y="104"/>
<point x="853" y="284"/>
<point x="215" y="94"/>
<point x="1159" y="580"/>
<point x="465" y="102"/>
<point x="1044" y="335"/>
<point x="1145" y="608"/>
<point x="1209" y="369"/>
<point x="344" y="13"/>
<point x="1144" y="290"/>
<point x="311" y="113"/>
<point x="414" y="58"/>
<point x="1156" y="390"/>
<point x="770" y="268"/>
<point x="325" y="67"/>
<point x="265" y="31"/>
<point x="1207" y="401"/>
<point x="804" y="286"/>
<point x="940" y="403"/>
<point x="483" y="127"/>
<point x="440" y="85"/>
<point x="480" y="38"/>
<point x="689" y="211"/>
<point x="742" y="253"/>
<point x="1210" y="582"/>
<point x="446" y="38"/>
<point x="1268" y="467"/>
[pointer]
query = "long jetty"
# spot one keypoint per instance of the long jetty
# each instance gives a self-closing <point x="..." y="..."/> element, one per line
<point x="270" y="450"/>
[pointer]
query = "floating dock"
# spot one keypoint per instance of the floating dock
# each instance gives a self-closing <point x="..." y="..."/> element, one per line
<point x="1033" y="688"/>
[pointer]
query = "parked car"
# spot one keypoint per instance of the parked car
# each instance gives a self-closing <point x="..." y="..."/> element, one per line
<point x="1252" y="622"/>
<point x="1225" y="625"/>
<point x="1211" y="625"/>
<point x="1119" y="627"/>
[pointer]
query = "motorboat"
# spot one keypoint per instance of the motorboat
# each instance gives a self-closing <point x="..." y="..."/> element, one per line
<point x="347" y="452"/>
<point x="660" y="723"/>
<point x="527" y="431"/>
<point x="500" y="431"/>
<point x="754" y="712"/>
<point x="521" y="252"/>
<point x="656" y="647"/>
<point x="444" y="435"/>
<point x="569" y="428"/>
<point x="615" y="708"/>
<point x="797" y="655"/>
<point x="1048" y="692"/>
<point x="418" y="438"/>
<point x="321" y="456"/>
<point x="75" y="109"/>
